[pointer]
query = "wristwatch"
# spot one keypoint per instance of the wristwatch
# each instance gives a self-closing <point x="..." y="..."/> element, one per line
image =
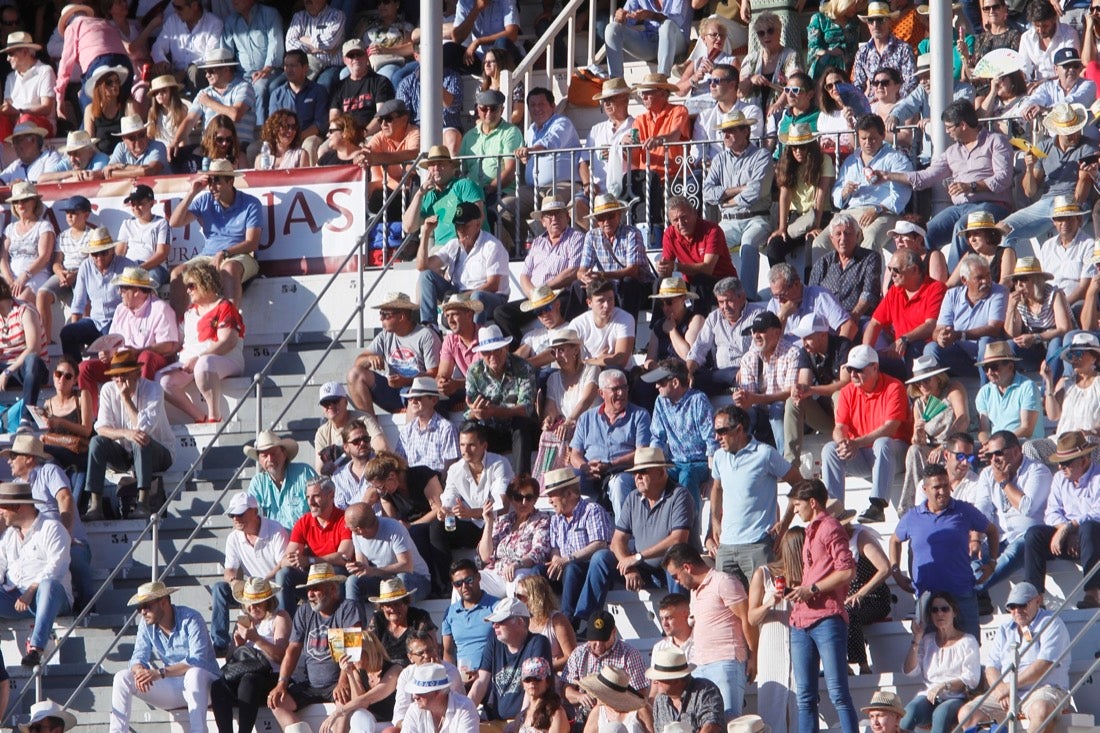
<point x="973" y="187"/>
<point x="814" y="589"/>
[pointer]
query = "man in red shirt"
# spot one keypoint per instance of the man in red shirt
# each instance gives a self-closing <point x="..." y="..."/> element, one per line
<point x="906" y="316"/>
<point x="872" y="432"/>
<point x="697" y="249"/>
<point x="319" y="536"/>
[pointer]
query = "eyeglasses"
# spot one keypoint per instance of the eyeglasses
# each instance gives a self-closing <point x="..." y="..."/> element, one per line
<point x="714" y="34"/>
<point x="881" y="82"/>
<point x="359" y="441"/>
<point x="146" y="606"/>
<point x="190" y="286"/>
<point x="525" y="498"/>
<point x="417" y="653"/>
<point x="335" y="128"/>
<point x="223" y="140"/>
<point x="386" y="314"/>
<point x="940" y="609"/>
<point x="793" y="90"/>
<point x="102" y="253"/>
<point x="875" y="21"/>
<point x="60" y="374"/>
<point x="468" y="580"/>
<point x="993" y="366"/>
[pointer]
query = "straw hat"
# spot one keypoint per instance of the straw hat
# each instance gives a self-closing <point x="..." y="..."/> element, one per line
<point x="1065" y="207"/>
<point x="69" y="12"/>
<point x="611" y="686"/>
<point x="150" y="592"/>
<point x="319" y="574"/>
<point x="1070" y="445"/>
<point x="77" y="140"/>
<point x="606" y="203"/>
<point x="462" y="301"/>
<point x="564" y="337"/>
<point x="215" y="58"/>
<point x="421" y="387"/>
<point x="22" y="191"/>
<point x="997" y="351"/>
<point x="879" y="10"/>
<point x="102" y="71"/>
<point x="924" y="63"/>
<point x="131" y="124"/>
<point x="540" y="297"/>
<point x="559" y="479"/>
<point x="16" y="492"/>
<point x="654" y="81"/>
<point x="799" y="133"/>
<point x="1066" y="119"/>
<point x="734" y="118"/>
<point x="20" y="39"/>
<point x="978" y="220"/>
<point x="25" y="444"/>
<point x="136" y="277"/>
<point x="490" y="338"/>
<point x="668" y="664"/>
<point x="26" y="128"/>
<point x="925" y="367"/>
<point x="1030" y="267"/>
<point x="612" y="88"/>
<point x="645" y="458"/>
<point x="123" y="362"/>
<point x="888" y="701"/>
<point x="437" y="154"/>
<point x="390" y="590"/>
<point x="255" y="590"/>
<point x="748" y="724"/>
<point x="396" y="300"/>
<point x="222" y="167"/>
<point x="100" y="240"/>
<point x="552" y="205"/>
<point x="672" y="287"/>
<point x="49" y="709"/>
<point x="165" y="81"/>
<point x="267" y="440"/>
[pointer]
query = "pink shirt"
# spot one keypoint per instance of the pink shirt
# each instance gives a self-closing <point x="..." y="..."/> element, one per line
<point x="826" y="550"/>
<point x="718" y="634"/>
<point x="461" y="355"/>
<point x="86" y="39"/>
<point x="153" y="323"/>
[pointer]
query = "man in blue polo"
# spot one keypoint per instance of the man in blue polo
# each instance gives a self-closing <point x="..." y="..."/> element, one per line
<point x="744" y="498"/>
<point x="465" y="630"/>
<point x="301" y="95"/>
<point x="939" y="534"/>
<point x="972" y="314"/>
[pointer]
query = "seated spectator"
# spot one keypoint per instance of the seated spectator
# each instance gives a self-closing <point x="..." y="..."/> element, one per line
<point x="503" y="672"/>
<point x="465" y="628"/>
<point x="281" y="133"/>
<point x="95" y="296"/>
<point x="384" y="553"/>
<point x="279" y="484"/>
<point x="253" y="33"/>
<point x="166" y="675"/>
<point x="28" y="243"/>
<point x="694" y="702"/>
<point x="597" y="165"/>
<point x="804" y="176"/>
<point x="29" y="92"/>
<point x="884" y="49"/>
<point x="972" y="314"/>
<point x="145" y="237"/>
<point x="32" y="158"/>
<point x="535" y="344"/>
<point x="534" y="591"/>
<point x="167" y="111"/>
<point x="459" y="350"/>
<point x="320" y="30"/>
<point x="132" y="431"/>
<point x="372" y="683"/>
<point x="226" y="94"/>
<point x="578" y="529"/>
<point x="23" y="354"/>
<point x="516" y="544"/>
<point x="694" y="247"/>
<point x="421" y="650"/>
<point x="616" y="700"/>
<point x="343" y="144"/>
<point x="821" y="376"/>
<point x="403" y="350"/>
<point x="230" y="222"/>
<point x="1008" y="400"/>
<point x="183" y="42"/>
<point x="1069" y="529"/>
<point x="885" y="712"/>
<point x="409" y="495"/>
<point x="361" y="92"/>
<point x="328" y="441"/>
<point x="388" y="153"/>
<point x="767" y="377"/>
<point x="606" y="330"/>
<point x="605" y="441"/>
<point x="395" y="619"/>
<point x="674" y="613"/>
<point x="986" y="240"/>
<point x="873" y="427"/>
<point x="904" y="320"/>
<point x="265" y="627"/>
<point x="34" y="565"/>
<point x="440" y="194"/>
<point x="476" y="29"/>
<point x="253" y="550"/>
<point x="614" y="251"/>
<point x="428" y="438"/>
<point x="220" y="142"/>
<point x="500" y="395"/>
<point x="548" y="173"/>
<point x="1047" y="658"/>
<point x="438" y="704"/>
<point x="350" y="479"/>
<point x="1039" y="43"/>
<point x="657" y="162"/>
<point x="490" y="142"/>
<point x="851" y="272"/>
<point x="498" y="59"/>
<point x="715" y="357"/>
<point x="1068" y="254"/>
<point x="1038" y="316"/>
<point x="319" y="679"/>
<point x="388" y="35"/>
<point x="299" y="94"/>
<point x="319" y="536"/>
<point x="677" y="326"/>
<point x="652" y="519"/>
<point x="136" y="155"/>
<point x="544" y="702"/>
<point x="648" y="32"/>
<point x="82" y="160"/>
<point x="68" y="424"/>
<point x="571" y="389"/>
<point x="603" y="649"/>
<point x="909" y="234"/>
<point x="792" y="302"/>
<point x="708" y="53"/>
<point x="1076" y="409"/>
<point x="797" y="104"/>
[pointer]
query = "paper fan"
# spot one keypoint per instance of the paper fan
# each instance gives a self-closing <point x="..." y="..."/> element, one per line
<point x="1020" y="144"/>
<point x="999" y="62"/>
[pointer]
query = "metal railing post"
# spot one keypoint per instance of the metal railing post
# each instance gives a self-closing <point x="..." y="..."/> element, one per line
<point x="154" y="556"/>
<point x="258" y="379"/>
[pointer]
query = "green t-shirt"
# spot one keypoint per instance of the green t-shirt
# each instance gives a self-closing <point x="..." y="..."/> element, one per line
<point x="443" y="204"/>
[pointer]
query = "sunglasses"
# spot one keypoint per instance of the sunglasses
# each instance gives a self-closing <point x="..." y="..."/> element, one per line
<point x="329" y="404"/>
<point x="491" y="107"/>
<point x="896" y="270"/>
<point x="765" y="32"/>
<point x="336" y="128"/>
<point x="223" y="140"/>
<point x="875" y="21"/>
<point x="191" y="286"/>
<point x="1094" y="10"/>
<point x="1015" y="606"/>
<point x="793" y="90"/>
<point x="387" y="119"/>
<point x="1074" y="355"/>
<point x="525" y="498"/>
<point x="940" y="609"/>
<point x="146" y="606"/>
<point x="881" y="82"/>
<point x="993" y="367"/>
<point x="102" y="253"/>
<point x="996" y="453"/>
<point x="963" y="457"/>
<point x="716" y="80"/>
<point x="386" y="314"/>
<point x="854" y="370"/>
<point x="63" y="374"/>
<point x="359" y="441"/>
<point x="724" y="430"/>
<point x="465" y="581"/>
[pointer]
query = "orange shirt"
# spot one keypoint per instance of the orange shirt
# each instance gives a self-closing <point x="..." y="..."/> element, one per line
<point x="382" y="143"/>
<point x="674" y="117"/>
<point x="911" y="28"/>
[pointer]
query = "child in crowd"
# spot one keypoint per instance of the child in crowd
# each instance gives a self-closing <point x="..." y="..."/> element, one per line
<point x="67" y="258"/>
<point x="145" y="238"/>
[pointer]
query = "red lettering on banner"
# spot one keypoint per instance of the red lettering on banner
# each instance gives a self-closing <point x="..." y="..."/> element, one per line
<point x="268" y="201"/>
<point x="306" y="217"/>
<point x="349" y="218"/>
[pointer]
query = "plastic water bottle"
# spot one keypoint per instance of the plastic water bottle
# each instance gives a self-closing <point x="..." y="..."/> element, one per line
<point x="265" y="160"/>
<point x="450" y="523"/>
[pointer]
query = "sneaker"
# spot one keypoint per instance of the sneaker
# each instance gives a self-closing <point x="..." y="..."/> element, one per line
<point x="872" y="515"/>
<point x="33" y="657"/>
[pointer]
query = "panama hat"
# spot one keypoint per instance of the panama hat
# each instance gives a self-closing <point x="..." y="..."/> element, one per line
<point x="21" y="191"/>
<point x="552" y="205"/>
<point x="267" y="440"/>
<point x="606" y="203"/>
<point x="49" y="709"/>
<point x="559" y="479"/>
<point x="396" y="300"/>
<point x="734" y="118"/>
<point x="1065" y="118"/>
<point x="255" y="590"/>
<point x="24" y="444"/>
<point x="437" y="154"/>
<point x="20" y="39"/>
<point x="150" y="592"/>
<point x="672" y="287"/>
<point x="611" y="686"/>
<point x="421" y="387"/>
<point x="925" y="367"/>
<point x="222" y="167"/>
<point x="77" y="140"/>
<point x="888" y="701"/>
<point x="564" y="337"/>
<point x="669" y="664"/>
<point x="490" y="338"/>
<point x="216" y="57"/>
<point x="16" y="492"/>
<point x="129" y="125"/>
<point x="799" y="133"/>
<point x="100" y="240"/>
<point x="654" y="81"/>
<point x="651" y="457"/>
<point x="879" y="10"/>
<point x="164" y="81"/>
<point x="101" y="71"/>
<point x="1030" y="267"/>
<point x="462" y="301"/>
<point x="1065" y="207"/>
<point x="1070" y="445"/>
<point x="616" y="87"/>
<point x="390" y="590"/>
<point x="26" y="128"/>
<point x="67" y="14"/>
<point x="429" y="678"/>
<point x="123" y="362"/>
<point x="748" y="724"/>
<point x="979" y="220"/>
<point x="1082" y="341"/>
<point x="319" y="574"/>
<point x="540" y="297"/>
<point x="997" y="351"/>
<point x="136" y="277"/>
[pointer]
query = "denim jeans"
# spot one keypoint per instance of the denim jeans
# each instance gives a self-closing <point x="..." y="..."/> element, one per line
<point x="147" y="461"/>
<point x="49" y="602"/>
<point x="881" y="462"/>
<point x="1031" y="358"/>
<point x="748" y="236"/>
<point x="1009" y="561"/>
<point x="31" y="375"/>
<point x="221" y="593"/>
<point x="729" y="676"/>
<point x="823" y="645"/>
<point x="1037" y="552"/>
<point x="572" y="581"/>
<point x="960" y="357"/>
<point x="1031" y="222"/>
<point x="634" y="40"/>
<point x="941" y="716"/>
<point x="691" y="475"/>
<point x="80" y="567"/>
<point x="434" y="288"/>
<point x="603" y="572"/>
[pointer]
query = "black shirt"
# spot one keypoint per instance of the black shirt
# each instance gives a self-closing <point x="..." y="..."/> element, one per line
<point x="361" y="98"/>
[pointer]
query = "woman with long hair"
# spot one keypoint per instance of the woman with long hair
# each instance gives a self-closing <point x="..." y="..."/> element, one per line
<point x="495" y="61"/>
<point x="868" y="598"/>
<point x="28" y="243"/>
<point x="619" y="707"/>
<point x="984" y="239"/>
<point x="167" y="111"/>
<point x="1038" y="317"/>
<point x="220" y="142"/>
<point x="373" y="683"/>
<point x="546" y="619"/>
<point x="570" y="390"/>
<point x="1005" y="99"/>
<point x="886" y="83"/>
<point x="280" y="132"/>
<point x="804" y="177"/>
<point x="835" y="120"/>
<point x="341" y="146"/>
<point x="946" y="658"/>
<point x="103" y="117"/>
<point x="544" y="712"/>
<point x="941" y="408"/>
<point x="770" y="68"/>
<point x="65" y="420"/>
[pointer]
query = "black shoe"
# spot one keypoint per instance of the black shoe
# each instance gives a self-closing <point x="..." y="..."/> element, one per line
<point x="221" y="651"/>
<point x="32" y="658"/>
<point x="985" y="605"/>
<point x="1087" y="603"/>
<point x="872" y="515"/>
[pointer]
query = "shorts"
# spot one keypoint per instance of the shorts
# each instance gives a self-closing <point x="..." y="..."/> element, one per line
<point x="1055" y="696"/>
<point x="248" y="262"/>
<point x="305" y="694"/>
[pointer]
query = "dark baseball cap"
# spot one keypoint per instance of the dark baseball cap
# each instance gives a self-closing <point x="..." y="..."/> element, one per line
<point x="762" y="322"/>
<point x="466" y="212"/>
<point x="140" y="192"/>
<point x="75" y="203"/>
<point x="601" y="625"/>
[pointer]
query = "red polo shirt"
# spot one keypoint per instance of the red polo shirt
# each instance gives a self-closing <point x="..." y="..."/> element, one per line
<point x="706" y="239"/>
<point x="864" y="412"/>
<point x="903" y="313"/>
<point x="320" y="540"/>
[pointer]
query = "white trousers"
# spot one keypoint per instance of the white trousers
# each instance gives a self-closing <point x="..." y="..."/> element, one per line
<point x="191" y="691"/>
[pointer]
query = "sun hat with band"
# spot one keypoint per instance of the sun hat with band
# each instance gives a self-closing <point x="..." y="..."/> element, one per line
<point x="319" y="574"/>
<point x="255" y="590"/>
<point x="462" y="301"/>
<point x="436" y="154"/>
<point x="20" y="39"/>
<point x="541" y="297"/>
<point x="879" y="10"/>
<point x="611" y="686"/>
<point x="165" y="81"/>
<point x="123" y="362"/>
<point x="421" y="387"/>
<point x="48" y="709"/>
<point x="1065" y="207"/>
<point x="26" y="128"/>
<point x="606" y="203"/>
<point x="221" y="167"/>
<point x="397" y="300"/>
<point x="734" y="118"/>
<point x="490" y="338"/>
<point x="672" y="287"/>
<point x="150" y="592"/>
<point x="1030" y="267"/>
<point x="1082" y="341"/>
<point x="24" y="444"/>
<point x="925" y="366"/>
<point x="979" y="221"/>
<point x="615" y="87"/>
<point x="21" y="191"/>
<point x="94" y="78"/>
<point x="654" y="81"/>
<point x="799" y="133"/>
<point x="16" y="492"/>
<point x="1066" y="118"/>
<point x="669" y="664"/>
<point x="267" y="440"/>
<point x="69" y="12"/>
<point x="429" y="678"/>
<point x="564" y="337"/>
<point x="997" y="351"/>
<point x="887" y="701"/>
<point x="77" y="140"/>
<point x="646" y="458"/>
<point x="552" y="205"/>
<point x="217" y="57"/>
<point x="748" y="724"/>
<point x="559" y="480"/>
<point x="129" y="125"/>
<point x="390" y="590"/>
<point x="135" y="277"/>
<point x="1071" y="445"/>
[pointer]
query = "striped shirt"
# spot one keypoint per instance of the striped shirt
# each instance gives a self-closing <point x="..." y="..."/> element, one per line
<point x="14" y="340"/>
<point x="324" y="30"/>
<point x="590" y="523"/>
<point x="582" y="663"/>
<point x="768" y="375"/>
<point x="546" y="260"/>
<point x="435" y="446"/>
<point x="626" y="249"/>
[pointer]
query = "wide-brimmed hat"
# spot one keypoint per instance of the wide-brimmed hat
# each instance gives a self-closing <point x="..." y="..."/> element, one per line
<point x="164" y="81"/>
<point x="267" y="440"/>
<point x="99" y="241"/>
<point x="615" y="87"/>
<point x="879" y="10"/>
<point x="611" y="686"/>
<point x="437" y="154"/>
<point x="798" y="133"/>
<point x="1070" y="445"/>
<point x="997" y="351"/>
<point x="1082" y="341"/>
<point x="24" y="444"/>
<point x="136" y="277"/>
<point x="559" y="480"/>
<point x="552" y="205"/>
<point x="16" y="492"/>
<point x="649" y="457"/>
<point x="20" y="39"/>
<point x="222" y="167"/>
<point x="390" y="590"/>
<point x="319" y="574"/>
<point x="907" y="227"/>
<point x="606" y="203"/>
<point x="396" y="300"/>
<point x="734" y="118"/>
<point x="21" y="191"/>
<point x="77" y="140"/>
<point x="540" y="297"/>
<point x="216" y="57"/>
<point x="102" y="71"/>
<point x="150" y="592"/>
<point x="748" y="724"/>
<point x="26" y="128"/>
<point x="835" y="509"/>
<point x="462" y="301"/>
<point x="49" y="709"/>
<point x="672" y="287"/>
<point x="421" y="387"/>
<point x="67" y="14"/>
<point x="564" y="337"/>
<point x="123" y="362"/>
<point x="1066" y="118"/>
<point x="507" y="608"/>
<point x="979" y="220"/>
<point x="669" y="664"/>
<point x="924" y="367"/>
<point x="654" y="81"/>
<point x="1065" y="207"/>
<point x="490" y="338"/>
<point x="129" y="125"/>
<point x="429" y="678"/>
<point x="888" y="701"/>
<point x="255" y="590"/>
<point x="1030" y="267"/>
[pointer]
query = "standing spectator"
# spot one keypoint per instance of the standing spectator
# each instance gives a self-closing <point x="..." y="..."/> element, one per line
<point x="89" y="43"/>
<point x="465" y="629"/>
<point x="280" y="483"/>
<point x="578" y="530"/>
<point x="883" y="50"/>
<point x="682" y="698"/>
<point x="188" y="34"/>
<point x="319" y="30"/>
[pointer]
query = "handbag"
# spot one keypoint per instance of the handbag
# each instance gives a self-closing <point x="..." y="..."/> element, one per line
<point x="75" y="443"/>
<point x="584" y="85"/>
<point x="244" y="660"/>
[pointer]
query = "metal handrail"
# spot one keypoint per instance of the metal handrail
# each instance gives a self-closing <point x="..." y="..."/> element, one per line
<point x="256" y="387"/>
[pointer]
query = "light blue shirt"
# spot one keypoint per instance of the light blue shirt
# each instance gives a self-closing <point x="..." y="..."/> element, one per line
<point x="469" y="629"/>
<point x="1071" y="502"/>
<point x="1051" y="93"/>
<point x="750" y="491"/>
<point x="962" y="315"/>
<point x="349" y="487"/>
<point x="684" y="429"/>
<point x="1033" y="479"/>
<point x="546" y="169"/>
<point x="816" y="300"/>
<point x="224" y="227"/>
<point x="94" y="288"/>
<point x="237" y="92"/>
<point x="892" y="196"/>
<point x="1003" y="410"/>
<point x="599" y="440"/>
<point x="188" y="642"/>
<point x="285" y="505"/>
<point x="63" y="165"/>
<point x="677" y="11"/>
<point x="155" y="153"/>
<point x="752" y="169"/>
<point x="1051" y="645"/>
<point x="498" y="15"/>
<point x="258" y="41"/>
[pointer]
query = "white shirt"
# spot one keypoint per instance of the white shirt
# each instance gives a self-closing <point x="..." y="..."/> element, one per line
<point x="937" y="665"/>
<point x="495" y="475"/>
<point x="186" y="45"/>
<point x="142" y="239"/>
<point x="260" y="559"/>
<point x="404" y="700"/>
<point x="391" y="539"/>
<point x="152" y="417"/>
<point x="1069" y="265"/>
<point x="461" y="717"/>
<point x="601" y="137"/>
<point x="43" y="554"/>
<point x="1039" y="64"/>
<point x="470" y="270"/>
<point x="970" y="491"/>
<point x="31" y="86"/>
<point x="602" y="340"/>
<point x="1033" y="479"/>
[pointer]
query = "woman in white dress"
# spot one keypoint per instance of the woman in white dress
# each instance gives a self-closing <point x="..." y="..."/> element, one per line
<point x="570" y="390"/>
<point x="28" y="243"/>
<point x="619" y="707"/>
<point x="1075" y="400"/>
